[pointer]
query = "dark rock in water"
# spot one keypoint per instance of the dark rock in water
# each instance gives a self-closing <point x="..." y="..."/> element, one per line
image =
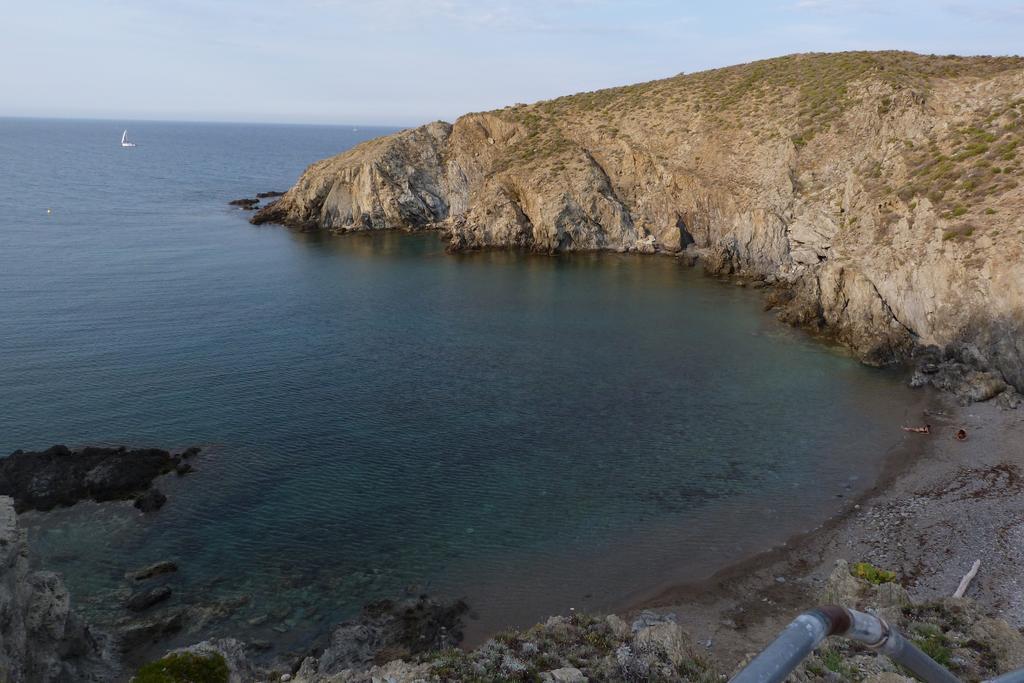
<point x="271" y="213"/>
<point x="155" y="569"/>
<point x="143" y="600"/>
<point x="59" y="476"/>
<point x="183" y="468"/>
<point x="389" y="630"/>
<point x="260" y="645"/>
<point x="151" y="500"/>
<point x="245" y="203"/>
<point x="149" y="631"/>
<point x="191" y="452"/>
<point x="272" y="193"/>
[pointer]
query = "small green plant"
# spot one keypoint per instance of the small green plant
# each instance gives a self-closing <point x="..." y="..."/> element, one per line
<point x="872" y="574"/>
<point x="933" y="643"/>
<point x="833" y="660"/>
<point x="185" y="667"/>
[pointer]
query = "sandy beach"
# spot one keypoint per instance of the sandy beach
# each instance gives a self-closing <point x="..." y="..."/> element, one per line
<point x="940" y="505"/>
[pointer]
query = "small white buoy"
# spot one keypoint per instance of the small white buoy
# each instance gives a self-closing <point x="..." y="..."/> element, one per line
<point x="49" y="211"/>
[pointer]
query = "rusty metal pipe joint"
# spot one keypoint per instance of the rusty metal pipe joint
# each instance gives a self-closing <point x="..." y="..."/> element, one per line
<point x="810" y="629"/>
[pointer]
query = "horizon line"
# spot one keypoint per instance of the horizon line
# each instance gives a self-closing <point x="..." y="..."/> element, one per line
<point x="226" y="122"/>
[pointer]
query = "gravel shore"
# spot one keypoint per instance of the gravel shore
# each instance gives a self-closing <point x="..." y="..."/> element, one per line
<point x="941" y="504"/>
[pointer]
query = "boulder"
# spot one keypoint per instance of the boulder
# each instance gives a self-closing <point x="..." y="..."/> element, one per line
<point x="567" y="674"/>
<point x="665" y="638"/>
<point x="385" y="627"/>
<point x="968" y="384"/>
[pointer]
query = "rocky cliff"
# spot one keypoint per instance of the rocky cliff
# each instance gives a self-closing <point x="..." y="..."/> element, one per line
<point x="41" y="638"/>
<point x="878" y="191"/>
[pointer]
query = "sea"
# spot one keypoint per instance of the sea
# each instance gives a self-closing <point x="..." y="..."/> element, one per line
<point x="381" y="419"/>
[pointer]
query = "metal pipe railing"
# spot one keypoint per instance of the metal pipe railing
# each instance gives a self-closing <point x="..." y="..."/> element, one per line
<point x="810" y="629"/>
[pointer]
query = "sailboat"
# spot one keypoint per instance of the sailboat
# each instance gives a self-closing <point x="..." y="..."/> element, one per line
<point x="124" y="139"/>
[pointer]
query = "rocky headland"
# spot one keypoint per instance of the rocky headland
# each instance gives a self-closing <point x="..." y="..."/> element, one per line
<point x="878" y="193"/>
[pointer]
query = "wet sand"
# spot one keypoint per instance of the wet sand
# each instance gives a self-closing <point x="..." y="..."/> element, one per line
<point x="939" y="505"/>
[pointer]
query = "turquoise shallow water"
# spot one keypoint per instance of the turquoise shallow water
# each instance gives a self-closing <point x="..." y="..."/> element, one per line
<point x="531" y="432"/>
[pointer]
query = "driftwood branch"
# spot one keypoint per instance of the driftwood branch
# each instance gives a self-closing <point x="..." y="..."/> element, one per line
<point x="966" y="581"/>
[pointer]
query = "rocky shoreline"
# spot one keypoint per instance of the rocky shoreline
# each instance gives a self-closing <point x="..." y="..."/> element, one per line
<point x="942" y="503"/>
<point x="877" y="194"/>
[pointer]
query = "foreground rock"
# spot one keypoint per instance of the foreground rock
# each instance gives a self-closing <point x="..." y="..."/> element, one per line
<point x="59" y="476"/>
<point x="879" y="192"/>
<point x="41" y="638"/>
<point x="387" y="630"/>
<point x="656" y="648"/>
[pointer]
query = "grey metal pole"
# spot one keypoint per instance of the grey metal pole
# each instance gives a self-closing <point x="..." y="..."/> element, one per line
<point x="810" y="629"/>
<point x="778" y="660"/>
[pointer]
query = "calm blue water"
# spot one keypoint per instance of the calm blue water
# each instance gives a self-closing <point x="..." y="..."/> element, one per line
<point x="531" y="432"/>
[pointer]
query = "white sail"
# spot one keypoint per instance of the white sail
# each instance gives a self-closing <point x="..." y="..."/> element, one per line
<point x="124" y="139"/>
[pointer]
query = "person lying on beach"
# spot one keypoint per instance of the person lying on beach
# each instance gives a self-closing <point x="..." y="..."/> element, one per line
<point x="927" y="429"/>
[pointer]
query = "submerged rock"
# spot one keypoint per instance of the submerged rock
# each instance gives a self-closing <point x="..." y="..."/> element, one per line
<point x="140" y="634"/>
<point x="155" y="569"/>
<point x="245" y="203"/>
<point x="60" y="476"/>
<point x="150" y="500"/>
<point x="143" y="600"/>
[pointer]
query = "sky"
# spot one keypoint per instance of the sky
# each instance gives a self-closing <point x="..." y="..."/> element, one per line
<point x="405" y="62"/>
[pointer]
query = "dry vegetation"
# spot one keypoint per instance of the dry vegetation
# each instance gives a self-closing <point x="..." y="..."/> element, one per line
<point x="800" y="97"/>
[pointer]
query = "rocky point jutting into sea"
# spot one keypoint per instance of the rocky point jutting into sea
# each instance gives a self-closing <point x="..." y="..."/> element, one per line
<point x="878" y="192"/>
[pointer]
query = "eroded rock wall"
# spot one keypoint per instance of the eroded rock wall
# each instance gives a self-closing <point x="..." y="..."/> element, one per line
<point x="41" y="639"/>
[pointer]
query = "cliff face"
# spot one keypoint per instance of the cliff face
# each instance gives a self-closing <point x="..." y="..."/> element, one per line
<point x="41" y="638"/>
<point x="879" y="191"/>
